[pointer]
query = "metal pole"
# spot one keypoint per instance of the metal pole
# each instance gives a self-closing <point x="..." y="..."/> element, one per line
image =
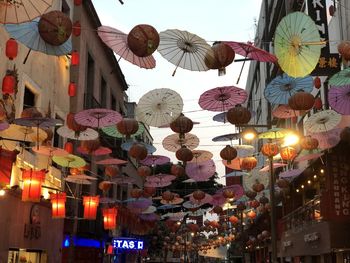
<point x="273" y="214"/>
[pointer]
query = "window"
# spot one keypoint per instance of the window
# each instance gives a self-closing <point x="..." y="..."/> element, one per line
<point x="89" y="87"/>
<point x="29" y="98"/>
<point x="65" y="8"/>
<point x="103" y="93"/>
<point x="57" y="140"/>
<point x="113" y="103"/>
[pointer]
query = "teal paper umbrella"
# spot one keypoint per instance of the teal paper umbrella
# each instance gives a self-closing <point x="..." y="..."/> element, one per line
<point x="341" y="78"/>
<point x="113" y="131"/>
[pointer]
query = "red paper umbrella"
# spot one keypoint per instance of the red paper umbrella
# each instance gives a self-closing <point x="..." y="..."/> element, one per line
<point x="99" y="151"/>
<point x="155" y="160"/>
<point x="206" y="200"/>
<point x="49" y="151"/>
<point x="112" y="161"/>
<point x="97" y="118"/>
<point x="237" y="189"/>
<point x="285" y="112"/>
<point x="222" y="98"/>
<point x="118" y="42"/>
<point x="201" y="171"/>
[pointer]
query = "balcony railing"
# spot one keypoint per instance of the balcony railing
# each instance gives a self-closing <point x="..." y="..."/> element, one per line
<point x="303" y="217"/>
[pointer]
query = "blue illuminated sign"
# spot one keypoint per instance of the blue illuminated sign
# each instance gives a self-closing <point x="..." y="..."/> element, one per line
<point x="127" y="243"/>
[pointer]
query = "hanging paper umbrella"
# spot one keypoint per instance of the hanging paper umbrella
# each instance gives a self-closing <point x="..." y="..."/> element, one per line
<point x="328" y="139"/>
<point x="112" y="161"/>
<point x="322" y="121"/>
<point x="159" y="107"/>
<point x="218" y="199"/>
<point x="201" y="156"/>
<point x="191" y="206"/>
<point x="97" y="118"/>
<point x="123" y="180"/>
<point x="99" y="151"/>
<point x="155" y="160"/>
<point x="118" y="42"/>
<point x="227" y="137"/>
<point x="49" y="151"/>
<point x="175" y="201"/>
<point x="28" y="35"/>
<point x="184" y="50"/>
<point x="167" y="206"/>
<point x="297" y="44"/>
<point x="113" y="131"/>
<point x="4" y="125"/>
<point x="17" y="12"/>
<point x="234" y="165"/>
<point x="140" y="203"/>
<point x="253" y="178"/>
<point x="206" y="200"/>
<point x="236" y="173"/>
<point x="70" y="160"/>
<point x="222" y="117"/>
<point x="160" y="178"/>
<point x="236" y="189"/>
<point x="244" y="150"/>
<point x="127" y="145"/>
<point x="76" y="180"/>
<point x="274" y="133"/>
<point x="308" y="155"/>
<point x="88" y="134"/>
<point x="285" y="112"/>
<point x="200" y="171"/>
<point x="275" y="165"/>
<point x="290" y="173"/>
<point x="281" y="88"/>
<point x="341" y="78"/>
<point x="23" y="133"/>
<point x="222" y="98"/>
<point x="159" y="184"/>
<point x="150" y="209"/>
<point x="149" y="217"/>
<point x="339" y="99"/>
<point x="173" y="142"/>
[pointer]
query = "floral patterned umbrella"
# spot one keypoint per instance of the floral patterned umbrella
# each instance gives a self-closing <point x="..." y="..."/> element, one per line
<point x="322" y="121"/>
<point x="173" y="142"/>
<point x="88" y="134"/>
<point x="200" y="156"/>
<point x="155" y="160"/>
<point x="285" y="112"/>
<point x="200" y="171"/>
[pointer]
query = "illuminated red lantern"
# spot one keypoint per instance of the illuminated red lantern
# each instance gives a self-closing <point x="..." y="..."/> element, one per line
<point x="249" y="163"/>
<point x="228" y="193"/>
<point x="136" y="193"/>
<point x="68" y="147"/>
<point x="138" y="151"/>
<point x="105" y="186"/>
<point x="233" y="219"/>
<point x="318" y="104"/>
<point x="77" y="2"/>
<point x="72" y="89"/>
<point x="76" y="30"/>
<point x="90" y="204"/>
<point x="128" y="127"/>
<point x="301" y="101"/>
<point x="74" y="61"/>
<point x="11" y="50"/>
<point x="58" y="203"/>
<point x="112" y="170"/>
<point x="228" y="153"/>
<point x="270" y="149"/>
<point x="288" y="153"/>
<point x="8" y="84"/>
<point x="32" y="181"/>
<point x="251" y="214"/>
<point x="308" y="143"/>
<point x="223" y="56"/>
<point x="317" y="82"/>
<point x="144" y="171"/>
<point x="109" y="218"/>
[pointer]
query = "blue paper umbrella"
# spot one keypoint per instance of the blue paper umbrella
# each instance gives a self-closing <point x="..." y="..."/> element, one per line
<point x="281" y="88"/>
<point x="127" y="145"/>
<point x="28" y="35"/>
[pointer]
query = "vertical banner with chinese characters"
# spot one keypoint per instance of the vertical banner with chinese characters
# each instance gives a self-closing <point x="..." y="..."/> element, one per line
<point x="329" y="63"/>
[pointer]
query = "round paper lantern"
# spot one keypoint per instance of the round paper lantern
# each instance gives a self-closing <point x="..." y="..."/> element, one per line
<point x="228" y="193"/>
<point x="309" y="143"/>
<point x="251" y="214"/>
<point x="168" y="196"/>
<point x="55" y="28"/>
<point x="288" y="153"/>
<point x="238" y="115"/>
<point x="263" y="200"/>
<point x="31" y="113"/>
<point x="223" y="56"/>
<point x="254" y="203"/>
<point x="228" y="153"/>
<point x="143" y="40"/>
<point x="58" y="204"/>
<point x="233" y="219"/>
<point x="149" y="191"/>
<point x="90" y="145"/>
<point x="250" y="194"/>
<point x="68" y="147"/>
<point x="184" y="154"/>
<point x="8" y="84"/>
<point x="32" y="182"/>
<point x="331" y="10"/>
<point x="344" y="50"/>
<point x="144" y="171"/>
<point x="258" y="187"/>
<point x="74" y="61"/>
<point x="318" y="104"/>
<point x="241" y="206"/>
<point x="181" y="125"/>
<point x="177" y="170"/>
<point x="109" y="218"/>
<point x="72" y="124"/>
<point x="317" y="82"/>
<point x="104" y="186"/>
<point x="72" y="89"/>
<point x="11" y="49"/>
<point x="249" y="163"/>
<point x="301" y="101"/>
<point x="198" y="195"/>
<point x="127" y="126"/>
<point x="270" y="149"/>
<point x="138" y="151"/>
<point x="76" y="31"/>
<point x="112" y="170"/>
<point x="218" y="209"/>
<point x="136" y="193"/>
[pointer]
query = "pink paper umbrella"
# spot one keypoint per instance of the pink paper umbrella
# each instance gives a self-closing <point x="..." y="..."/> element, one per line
<point x="218" y="200"/>
<point x="149" y="217"/>
<point x="222" y="98"/>
<point x="285" y="112"/>
<point x="117" y="41"/>
<point x="308" y="155"/>
<point x="201" y="171"/>
<point x="160" y="177"/>
<point x="49" y="151"/>
<point x="234" y="165"/>
<point x="159" y="184"/>
<point x="237" y="189"/>
<point x="155" y="160"/>
<point x="4" y="125"/>
<point x="99" y="151"/>
<point x="206" y="200"/>
<point x="123" y="180"/>
<point x="97" y="118"/>
<point x="328" y="139"/>
<point x="291" y="173"/>
<point x="112" y="161"/>
<point x="339" y="99"/>
<point x="275" y="165"/>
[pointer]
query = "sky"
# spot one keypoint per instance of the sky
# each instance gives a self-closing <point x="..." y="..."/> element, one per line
<point x="212" y="20"/>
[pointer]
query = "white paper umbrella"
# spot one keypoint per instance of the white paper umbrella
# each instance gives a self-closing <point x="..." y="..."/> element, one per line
<point x="159" y="107"/>
<point x="254" y="177"/>
<point x="244" y="150"/>
<point x="322" y="121"/>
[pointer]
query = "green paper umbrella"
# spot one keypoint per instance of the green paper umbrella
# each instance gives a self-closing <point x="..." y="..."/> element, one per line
<point x="297" y="44"/>
<point x="275" y="133"/>
<point x="70" y="160"/>
<point x="341" y="78"/>
<point x="113" y="131"/>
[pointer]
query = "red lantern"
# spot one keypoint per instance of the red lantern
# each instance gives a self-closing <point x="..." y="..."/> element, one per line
<point x="223" y="56"/>
<point x="168" y="196"/>
<point x="308" y="143"/>
<point x="68" y="147"/>
<point x="76" y="30"/>
<point x="109" y="218"/>
<point x="74" y="61"/>
<point x="112" y="170"/>
<point x="181" y="125"/>
<point x="238" y="115"/>
<point x="318" y="104"/>
<point x="144" y="171"/>
<point x="143" y="40"/>
<point x="218" y="209"/>
<point x="149" y="191"/>
<point x="11" y="49"/>
<point x="228" y="153"/>
<point x="251" y="194"/>
<point x="58" y="203"/>
<point x="317" y="82"/>
<point x="228" y="193"/>
<point x="72" y="124"/>
<point x="72" y="89"/>
<point x="184" y="154"/>
<point x="78" y="2"/>
<point x="288" y="153"/>
<point x="301" y="101"/>
<point x="136" y="193"/>
<point x="249" y="163"/>
<point x="138" y="151"/>
<point x="198" y="195"/>
<point x="177" y="170"/>
<point x="270" y="149"/>
<point x="127" y="127"/>
<point x="90" y="204"/>
<point x="32" y="181"/>
<point x="251" y="214"/>
<point x="8" y="84"/>
<point x="233" y="219"/>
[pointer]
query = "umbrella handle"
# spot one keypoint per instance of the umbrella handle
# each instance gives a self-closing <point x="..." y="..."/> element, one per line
<point x="177" y="64"/>
<point x="240" y="73"/>
<point x="25" y="59"/>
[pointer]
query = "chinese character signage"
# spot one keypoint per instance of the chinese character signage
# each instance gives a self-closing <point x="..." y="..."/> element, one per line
<point x="328" y="63"/>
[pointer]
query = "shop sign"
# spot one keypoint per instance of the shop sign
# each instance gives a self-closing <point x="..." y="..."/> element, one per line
<point x="33" y="229"/>
<point x="329" y="63"/>
<point x="311" y="237"/>
<point x="127" y="243"/>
